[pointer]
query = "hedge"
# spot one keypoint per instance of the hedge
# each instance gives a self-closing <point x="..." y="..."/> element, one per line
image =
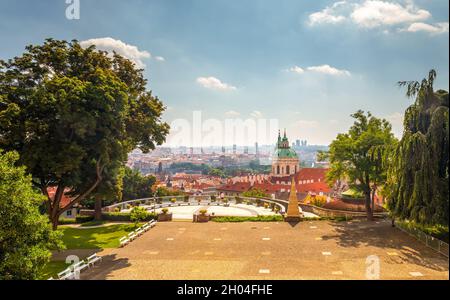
<point x="124" y="217"/>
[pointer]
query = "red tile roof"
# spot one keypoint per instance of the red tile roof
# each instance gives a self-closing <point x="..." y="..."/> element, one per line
<point x="65" y="200"/>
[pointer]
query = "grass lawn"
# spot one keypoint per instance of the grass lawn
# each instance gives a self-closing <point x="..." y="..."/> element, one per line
<point x="52" y="269"/>
<point x="95" y="238"/>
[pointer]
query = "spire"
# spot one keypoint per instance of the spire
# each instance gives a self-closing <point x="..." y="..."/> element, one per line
<point x="285" y="133"/>
<point x="294" y="212"/>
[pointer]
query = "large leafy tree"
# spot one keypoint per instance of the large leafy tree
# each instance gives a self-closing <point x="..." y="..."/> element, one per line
<point x="25" y="234"/>
<point x="71" y="112"/>
<point x="418" y="175"/>
<point x="136" y="185"/>
<point x="357" y="156"/>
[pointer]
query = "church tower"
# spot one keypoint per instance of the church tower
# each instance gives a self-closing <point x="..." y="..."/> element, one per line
<point x="285" y="161"/>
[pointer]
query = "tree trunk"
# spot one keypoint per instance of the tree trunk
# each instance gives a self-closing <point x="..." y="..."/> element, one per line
<point x="98" y="208"/>
<point x="369" y="210"/>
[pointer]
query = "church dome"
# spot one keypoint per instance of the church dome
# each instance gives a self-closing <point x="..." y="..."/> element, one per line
<point x="284" y="153"/>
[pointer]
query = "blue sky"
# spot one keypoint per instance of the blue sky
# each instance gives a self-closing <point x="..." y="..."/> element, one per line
<point x="309" y="64"/>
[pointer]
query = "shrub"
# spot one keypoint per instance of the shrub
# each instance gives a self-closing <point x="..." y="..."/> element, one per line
<point x="66" y="221"/>
<point x="117" y="209"/>
<point x="238" y="200"/>
<point x="165" y="210"/>
<point x="138" y="214"/>
<point x="186" y="198"/>
<point x="266" y="205"/>
<point x="173" y="200"/>
<point x="84" y="219"/>
<point x="124" y="217"/>
<point x="316" y="200"/>
<point x="213" y="198"/>
<point x="203" y="211"/>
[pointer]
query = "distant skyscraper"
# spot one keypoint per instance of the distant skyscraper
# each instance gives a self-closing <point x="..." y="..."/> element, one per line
<point x="192" y="150"/>
<point x="234" y="148"/>
<point x="246" y="150"/>
<point x="223" y="150"/>
<point x="257" y="149"/>
<point x="297" y="143"/>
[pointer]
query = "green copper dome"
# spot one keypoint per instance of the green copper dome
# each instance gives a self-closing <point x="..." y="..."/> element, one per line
<point x="283" y="149"/>
<point x="284" y="153"/>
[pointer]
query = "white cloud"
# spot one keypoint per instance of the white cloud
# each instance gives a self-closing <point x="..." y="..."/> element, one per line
<point x="232" y="113"/>
<point x="214" y="84"/>
<point x="256" y="114"/>
<point x="437" y="28"/>
<point x="296" y="69"/>
<point x="379" y="14"/>
<point x="327" y="69"/>
<point x="374" y="13"/>
<point x="128" y="51"/>
<point x="328" y="15"/>
<point x="160" y="58"/>
<point x="324" y="69"/>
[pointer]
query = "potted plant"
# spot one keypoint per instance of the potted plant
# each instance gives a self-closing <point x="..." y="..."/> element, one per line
<point x="266" y="205"/>
<point x="164" y="216"/>
<point x="202" y="216"/>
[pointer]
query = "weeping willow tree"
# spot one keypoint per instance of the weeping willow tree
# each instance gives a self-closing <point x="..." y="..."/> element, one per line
<point x="417" y="181"/>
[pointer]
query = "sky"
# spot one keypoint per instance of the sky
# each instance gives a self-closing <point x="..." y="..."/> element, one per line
<point x="306" y="64"/>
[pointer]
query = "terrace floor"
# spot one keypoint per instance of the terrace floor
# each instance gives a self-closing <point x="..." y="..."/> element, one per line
<point x="309" y="250"/>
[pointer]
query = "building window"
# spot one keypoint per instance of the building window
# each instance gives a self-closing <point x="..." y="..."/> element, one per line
<point x="278" y="170"/>
<point x="288" y="170"/>
<point x="69" y="213"/>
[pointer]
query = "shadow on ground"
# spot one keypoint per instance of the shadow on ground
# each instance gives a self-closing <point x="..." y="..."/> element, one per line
<point x="103" y="270"/>
<point x="384" y="236"/>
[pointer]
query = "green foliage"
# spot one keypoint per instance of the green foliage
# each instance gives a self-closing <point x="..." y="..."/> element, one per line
<point x="216" y="172"/>
<point x="72" y="114"/>
<point x="124" y="217"/>
<point x="138" y="214"/>
<point x="255" y="193"/>
<point x="84" y="219"/>
<point x="25" y="235"/>
<point x="316" y="200"/>
<point x="417" y="185"/>
<point x="357" y="156"/>
<point x="165" y="192"/>
<point x="136" y="186"/>
<point x="276" y="218"/>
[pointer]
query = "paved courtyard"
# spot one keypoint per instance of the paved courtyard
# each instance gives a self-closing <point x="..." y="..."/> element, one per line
<point x="310" y="250"/>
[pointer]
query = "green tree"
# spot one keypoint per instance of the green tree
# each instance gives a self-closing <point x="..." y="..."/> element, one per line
<point x="255" y="193"/>
<point x="417" y="188"/>
<point x="216" y="172"/>
<point x="137" y="186"/>
<point x="358" y="156"/>
<point x="109" y="190"/>
<point x="26" y="236"/>
<point x="138" y="214"/>
<point x="164" y="192"/>
<point x="71" y="112"/>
